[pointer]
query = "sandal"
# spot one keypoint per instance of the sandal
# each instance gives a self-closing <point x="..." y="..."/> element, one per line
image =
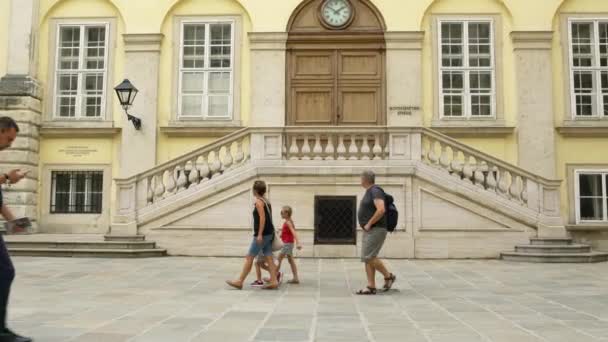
<point x="367" y="291"/>
<point x="270" y="287"/>
<point x="293" y="281"/>
<point x="389" y="282"/>
<point x="234" y="284"/>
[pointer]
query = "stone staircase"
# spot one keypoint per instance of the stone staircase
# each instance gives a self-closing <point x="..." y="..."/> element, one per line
<point x="86" y="246"/>
<point x="554" y="250"/>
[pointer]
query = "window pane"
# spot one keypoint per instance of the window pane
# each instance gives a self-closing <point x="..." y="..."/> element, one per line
<point x="591" y="209"/>
<point x="193" y="82"/>
<point x="604" y="77"/>
<point x="221" y="41"/>
<point x="603" y="34"/>
<point x="93" y="93"/>
<point x="194" y="46"/>
<point x="452" y="105"/>
<point x="218" y="106"/>
<point x="192" y="105"/>
<point x="584" y="92"/>
<point x="219" y="82"/>
<point x="451" y="44"/>
<point x="67" y="89"/>
<point x="590" y="185"/>
<point x="479" y="45"/>
<point x="69" y="47"/>
<point x="95" y="47"/>
<point x="582" y="44"/>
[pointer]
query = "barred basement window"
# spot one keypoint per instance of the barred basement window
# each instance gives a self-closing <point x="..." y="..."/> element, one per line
<point x="466" y="69"/>
<point x="81" y="71"/>
<point x="76" y="192"/>
<point x="589" y="67"/>
<point x="592" y="196"/>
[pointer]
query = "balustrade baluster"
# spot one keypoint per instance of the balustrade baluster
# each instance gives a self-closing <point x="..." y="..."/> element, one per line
<point x="317" y="150"/>
<point x="204" y="168"/>
<point x="150" y="192"/>
<point x="329" y="148"/>
<point x="503" y="182"/>
<point x="171" y="184"/>
<point x="467" y="169"/>
<point x="387" y="148"/>
<point x="514" y="189"/>
<point x="306" y="148"/>
<point x="240" y="155"/>
<point x="365" y="150"/>
<point x="182" y="179"/>
<point x="194" y="176"/>
<point x="524" y="190"/>
<point x="341" y="148"/>
<point x="478" y="174"/>
<point x="216" y="165"/>
<point x="294" y="151"/>
<point x="432" y="156"/>
<point x="159" y="190"/>
<point x="376" y="149"/>
<point x="228" y="160"/>
<point x="444" y="160"/>
<point x="456" y="165"/>
<point x="491" y="181"/>
<point x="353" y="149"/>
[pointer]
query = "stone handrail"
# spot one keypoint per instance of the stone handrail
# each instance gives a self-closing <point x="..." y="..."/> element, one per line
<point x="181" y="173"/>
<point x="489" y="173"/>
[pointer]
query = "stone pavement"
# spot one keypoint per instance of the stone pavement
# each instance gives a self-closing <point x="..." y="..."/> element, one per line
<point x="184" y="299"/>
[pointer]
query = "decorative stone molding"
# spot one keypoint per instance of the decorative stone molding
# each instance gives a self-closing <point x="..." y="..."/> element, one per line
<point x="197" y="129"/>
<point x="142" y="42"/>
<point x="532" y="40"/>
<point x="476" y="128"/>
<point x="584" y="128"/>
<point x="404" y="40"/>
<point x="267" y="40"/>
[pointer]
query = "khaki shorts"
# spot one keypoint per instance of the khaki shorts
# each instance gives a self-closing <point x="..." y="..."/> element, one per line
<point x="372" y="243"/>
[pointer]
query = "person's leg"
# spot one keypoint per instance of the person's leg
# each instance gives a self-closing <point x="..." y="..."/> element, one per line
<point x="258" y="271"/>
<point x="272" y="268"/>
<point x="281" y="257"/>
<point x="7" y="274"/>
<point x="294" y="270"/>
<point x="254" y="250"/>
<point x="378" y="265"/>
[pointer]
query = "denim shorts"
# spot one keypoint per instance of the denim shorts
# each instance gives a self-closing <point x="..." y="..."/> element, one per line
<point x="265" y="248"/>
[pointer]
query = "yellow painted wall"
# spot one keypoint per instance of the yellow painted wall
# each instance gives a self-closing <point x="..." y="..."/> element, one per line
<point x="4" y="14"/>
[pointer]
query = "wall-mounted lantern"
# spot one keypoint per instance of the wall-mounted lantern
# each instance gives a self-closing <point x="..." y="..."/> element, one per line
<point x="126" y="93"/>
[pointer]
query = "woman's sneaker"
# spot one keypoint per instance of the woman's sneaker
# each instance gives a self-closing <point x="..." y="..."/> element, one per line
<point x="257" y="283"/>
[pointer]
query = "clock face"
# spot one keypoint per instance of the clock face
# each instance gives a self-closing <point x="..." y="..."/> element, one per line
<point x="336" y="13"/>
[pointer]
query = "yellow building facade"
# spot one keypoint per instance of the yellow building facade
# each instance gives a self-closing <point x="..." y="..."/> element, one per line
<point x="504" y="97"/>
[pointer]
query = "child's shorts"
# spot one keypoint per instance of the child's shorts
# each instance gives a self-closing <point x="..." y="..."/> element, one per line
<point x="287" y="249"/>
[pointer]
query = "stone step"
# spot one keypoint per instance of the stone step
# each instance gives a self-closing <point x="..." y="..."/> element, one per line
<point x="575" y="248"/>
<point x="555" y="257"/>
<point x="129" y="245"/>
<point x="551" y="241"/>
<point x="124" y="237"/>
<point x="88" y="253"/>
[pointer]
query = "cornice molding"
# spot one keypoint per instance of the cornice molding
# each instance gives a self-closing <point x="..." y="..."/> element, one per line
<point x="267" y="40"/>
<point x="532" y="40"/>
<point x="142" y="42"/>
<point x="404" y="40"/>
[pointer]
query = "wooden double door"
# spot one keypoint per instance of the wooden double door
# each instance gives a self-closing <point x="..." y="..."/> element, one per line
<point x="333" y="87"/>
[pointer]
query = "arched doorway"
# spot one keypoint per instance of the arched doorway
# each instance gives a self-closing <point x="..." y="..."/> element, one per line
<point x="336" y="64"/>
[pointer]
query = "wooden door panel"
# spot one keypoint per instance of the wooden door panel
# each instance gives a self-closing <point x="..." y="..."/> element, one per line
<point x="360" y="65"/>
<point x="315" y="65"/>
<point x="312" y="106"/>
<point x="360" y="106"/>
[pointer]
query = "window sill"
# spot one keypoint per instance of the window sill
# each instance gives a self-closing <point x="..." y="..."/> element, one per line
<point x="584" y="127"/>
<point x="78" y="129"/>
<point x="198" y="128"/>
<point x="591" y="227"/>
<point x="473" y="127"/>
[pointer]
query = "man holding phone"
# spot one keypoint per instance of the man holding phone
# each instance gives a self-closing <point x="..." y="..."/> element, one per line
<point x="8" y="133"/>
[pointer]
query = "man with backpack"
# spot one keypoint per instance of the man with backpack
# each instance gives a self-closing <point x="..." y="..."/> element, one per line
<point x="376" y="213"/>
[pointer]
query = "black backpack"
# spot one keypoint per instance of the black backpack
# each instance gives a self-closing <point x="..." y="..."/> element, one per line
<point x="391" y="213"/>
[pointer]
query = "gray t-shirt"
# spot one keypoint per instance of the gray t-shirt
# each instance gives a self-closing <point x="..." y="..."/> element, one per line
<point x="367" y="208"/>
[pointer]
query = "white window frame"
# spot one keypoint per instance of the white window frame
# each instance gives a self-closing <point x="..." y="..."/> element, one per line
<point x="78" y="105"/>
<point x="596" y="69"/>
<point x="577" y="174"/>
<point x="466" y="70"/>
<point x="207" y="69"/>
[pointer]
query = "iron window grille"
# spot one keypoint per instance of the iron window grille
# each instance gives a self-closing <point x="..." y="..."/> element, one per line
<point x="336" y="220"/>
<point x="76" y="192"/>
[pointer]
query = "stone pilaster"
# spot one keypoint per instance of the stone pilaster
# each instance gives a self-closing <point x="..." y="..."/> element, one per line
<point x="138" y="147"/>
<point x="20" y="98"/>
<point x="534" y="81"/>
<point x="404" y="77"/>
<point x="267" y="78"/>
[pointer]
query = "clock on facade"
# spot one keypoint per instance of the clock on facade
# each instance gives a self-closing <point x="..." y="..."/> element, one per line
<point x="337" y="13"/>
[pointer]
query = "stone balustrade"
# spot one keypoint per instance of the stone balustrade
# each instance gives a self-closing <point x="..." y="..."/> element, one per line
<point x="344" y="143"/>
<point x="339" y="145"/>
